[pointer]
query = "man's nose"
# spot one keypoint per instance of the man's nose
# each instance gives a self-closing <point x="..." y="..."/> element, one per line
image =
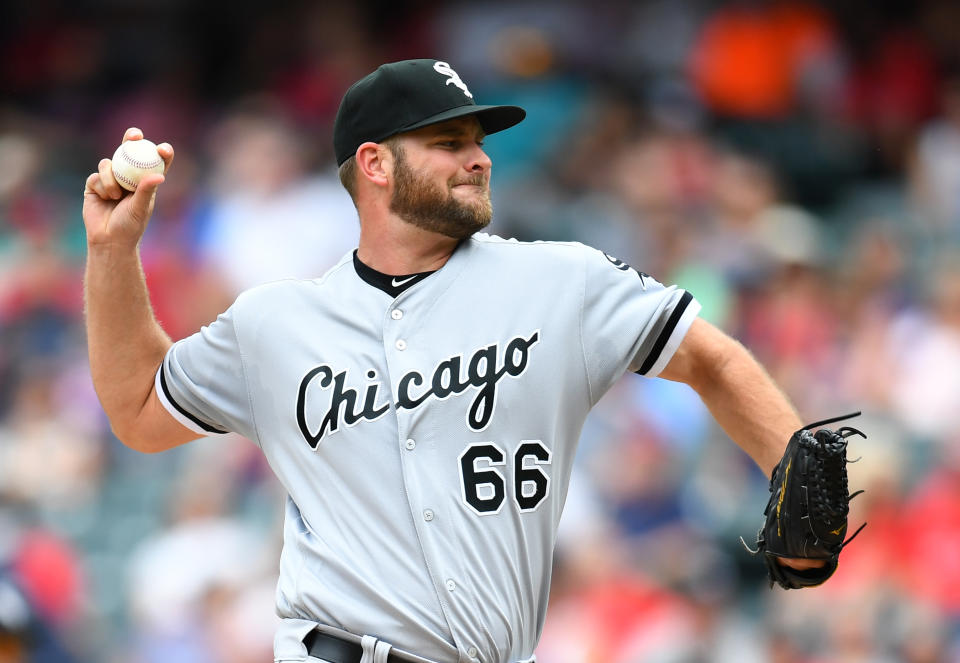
<point x="479" y="161"/>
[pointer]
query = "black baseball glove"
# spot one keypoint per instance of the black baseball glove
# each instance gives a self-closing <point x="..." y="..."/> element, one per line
<point x="806" y="516"/>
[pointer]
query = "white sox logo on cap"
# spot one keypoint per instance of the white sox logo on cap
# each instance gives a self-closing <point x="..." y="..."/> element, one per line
<point x="369" y="111"/>
<point x="444" y="69"/>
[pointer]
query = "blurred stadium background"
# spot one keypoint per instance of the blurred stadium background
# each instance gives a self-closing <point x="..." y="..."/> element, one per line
<point x="796" y="165"/>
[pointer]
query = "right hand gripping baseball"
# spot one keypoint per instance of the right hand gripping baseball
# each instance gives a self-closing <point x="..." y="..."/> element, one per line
<point x="114" y="216"/>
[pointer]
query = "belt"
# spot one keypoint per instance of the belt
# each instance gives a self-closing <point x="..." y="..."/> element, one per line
<point x="329" y="647"/>
<point x="336" y="650"/>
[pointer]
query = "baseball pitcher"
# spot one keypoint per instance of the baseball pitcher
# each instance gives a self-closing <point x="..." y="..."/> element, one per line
<point x="421" y="401"/>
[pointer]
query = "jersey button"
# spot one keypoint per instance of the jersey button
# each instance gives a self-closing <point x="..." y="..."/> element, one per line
<point x="451" y="585"/>
<point x="472" y="652"/>
<point x="396" y="314"/>
<point x="427" y="515"/>
<point x="410" y="445"/>
<point x="401" y="344"/>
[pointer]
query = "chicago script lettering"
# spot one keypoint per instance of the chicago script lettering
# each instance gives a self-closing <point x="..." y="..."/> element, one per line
<point x="343" y="404"/>
<point x="482" y="373"/>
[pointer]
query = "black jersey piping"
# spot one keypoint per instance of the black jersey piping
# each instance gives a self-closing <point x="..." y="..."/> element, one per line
<point x="166" y="392"/>
<point x="665" y="333"/>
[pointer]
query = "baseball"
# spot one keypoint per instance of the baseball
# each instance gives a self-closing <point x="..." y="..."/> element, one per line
<point x="134" y="159"/>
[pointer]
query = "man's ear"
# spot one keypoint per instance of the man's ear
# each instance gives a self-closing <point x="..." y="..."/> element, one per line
<point x="375" y="163"/>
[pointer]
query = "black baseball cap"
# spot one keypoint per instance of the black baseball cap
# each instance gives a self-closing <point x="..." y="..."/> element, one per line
<point x="403" y="96"/>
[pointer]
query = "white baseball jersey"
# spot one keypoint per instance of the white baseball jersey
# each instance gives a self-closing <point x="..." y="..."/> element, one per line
<point x="425" y="440"/>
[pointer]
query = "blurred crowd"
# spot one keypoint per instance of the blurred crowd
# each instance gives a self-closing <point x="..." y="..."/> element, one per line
<point x="795" y="165"/>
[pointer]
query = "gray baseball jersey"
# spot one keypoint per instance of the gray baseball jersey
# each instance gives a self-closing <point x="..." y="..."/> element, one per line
<point x="425" y="440"/>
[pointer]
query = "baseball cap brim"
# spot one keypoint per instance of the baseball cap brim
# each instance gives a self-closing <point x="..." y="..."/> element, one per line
<point x="492" y="118"/>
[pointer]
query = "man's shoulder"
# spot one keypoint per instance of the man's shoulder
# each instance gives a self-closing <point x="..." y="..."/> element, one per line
<point x="506" y="248"/>
<point x="282" y="290"/>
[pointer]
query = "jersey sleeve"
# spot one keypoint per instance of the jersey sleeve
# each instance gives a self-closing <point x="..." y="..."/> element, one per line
<point x="201" y="381"/>
<point x="630" y="321"/>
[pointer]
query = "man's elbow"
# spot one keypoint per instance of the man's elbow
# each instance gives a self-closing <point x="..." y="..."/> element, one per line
<point x="139" y="439"/>
<point x="148" y="428"/>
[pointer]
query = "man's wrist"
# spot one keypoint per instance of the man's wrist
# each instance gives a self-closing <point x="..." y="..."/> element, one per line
<point x="112" y="249"/>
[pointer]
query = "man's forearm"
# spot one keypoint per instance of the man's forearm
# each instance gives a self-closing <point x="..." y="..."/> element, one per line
<point x="125" y="342"/>
<point x="749" y="407"/>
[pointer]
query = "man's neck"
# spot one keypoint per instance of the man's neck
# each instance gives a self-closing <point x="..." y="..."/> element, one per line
<point x="403" y="249"/>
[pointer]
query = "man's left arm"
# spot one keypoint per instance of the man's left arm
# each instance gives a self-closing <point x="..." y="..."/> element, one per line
<point x="741" y="396"/>
<point x="739" y="393"/>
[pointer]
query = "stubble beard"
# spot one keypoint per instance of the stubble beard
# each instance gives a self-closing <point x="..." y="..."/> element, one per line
<point x="426" y="205"/>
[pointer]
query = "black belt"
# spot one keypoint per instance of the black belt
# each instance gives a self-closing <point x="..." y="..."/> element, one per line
<point x="331" y="648"/>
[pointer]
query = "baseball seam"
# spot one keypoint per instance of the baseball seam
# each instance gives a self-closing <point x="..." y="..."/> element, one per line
<point x="140" y="164"/>
<point x="125" y="179"/>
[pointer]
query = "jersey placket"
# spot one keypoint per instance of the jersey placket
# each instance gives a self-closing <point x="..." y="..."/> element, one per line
<point x="405" y="354"/>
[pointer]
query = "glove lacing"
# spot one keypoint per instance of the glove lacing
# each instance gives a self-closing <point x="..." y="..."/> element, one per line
<point x="833" y="482"/>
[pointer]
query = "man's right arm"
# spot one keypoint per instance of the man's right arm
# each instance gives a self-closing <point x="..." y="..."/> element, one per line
<point x="125" y="342"/>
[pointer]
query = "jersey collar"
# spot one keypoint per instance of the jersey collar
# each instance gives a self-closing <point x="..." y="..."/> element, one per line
<point x="390" y="284"/>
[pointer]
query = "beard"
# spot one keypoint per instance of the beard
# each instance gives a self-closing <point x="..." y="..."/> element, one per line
<point x="427" y="205"/>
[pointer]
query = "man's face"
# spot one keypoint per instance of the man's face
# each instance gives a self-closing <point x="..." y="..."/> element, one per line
<point x="441" y="178"/>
